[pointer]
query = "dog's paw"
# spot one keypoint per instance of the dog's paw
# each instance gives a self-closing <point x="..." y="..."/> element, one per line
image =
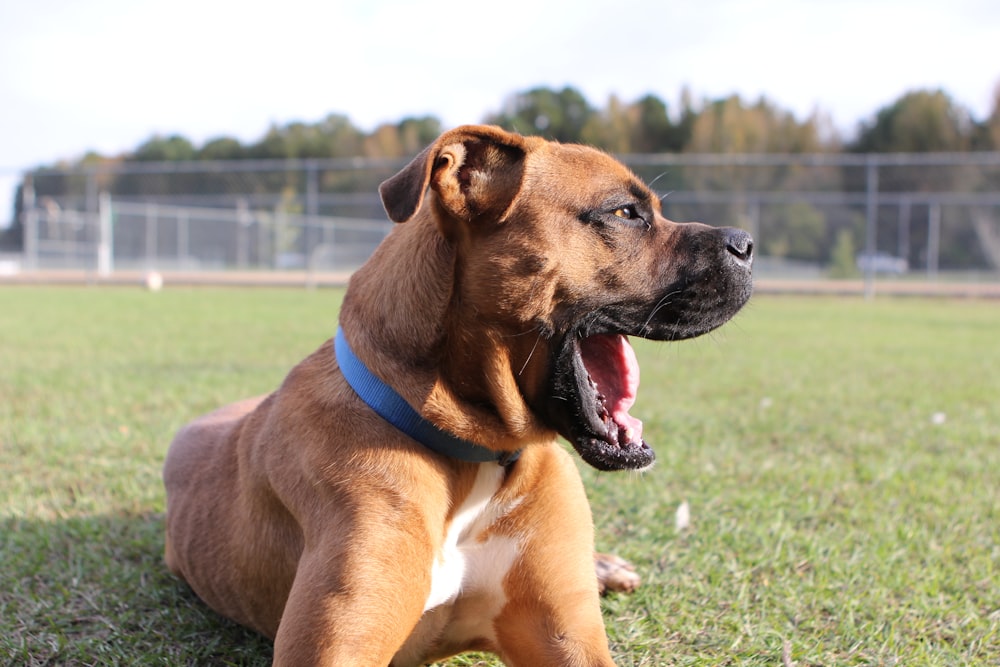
<point x="615" y="574"/>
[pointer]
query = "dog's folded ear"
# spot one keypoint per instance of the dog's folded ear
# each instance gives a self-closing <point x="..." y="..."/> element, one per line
<point x="476" y="172"/>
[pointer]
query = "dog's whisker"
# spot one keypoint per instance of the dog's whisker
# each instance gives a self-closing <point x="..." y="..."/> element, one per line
<point x="662" y="174"/>
<point x="530" y="354"/>
<point x="664" y="301"/>
<point x="537" y="329"/>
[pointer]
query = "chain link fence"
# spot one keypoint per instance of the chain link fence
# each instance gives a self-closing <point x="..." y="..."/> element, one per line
<point x="148" y="236"/>
<point x="927" y="217"/>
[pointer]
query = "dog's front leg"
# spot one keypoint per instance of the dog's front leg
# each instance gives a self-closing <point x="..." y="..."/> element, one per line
<point x="361" y="619"/>
<point x="552" y="614"/>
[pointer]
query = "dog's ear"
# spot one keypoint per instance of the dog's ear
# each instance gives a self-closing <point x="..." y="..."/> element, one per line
<point x="475" y="170"/>
<point x="403" y="193"/>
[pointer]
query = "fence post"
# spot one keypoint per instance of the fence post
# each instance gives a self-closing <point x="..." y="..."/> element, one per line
<point x="933" y="238"/>
<point x="29" y="220"/>
<point x="93" y="197"/>
<point x="871" y="223"/>
<point x="903" y="242"/>
<point x="183" y="250"/>
<point x="279" y="224"/>
<point x="105" y="238"/>
<point x="242" y="229"/>
<point x="312" y="206"/>
<point x="152" y="231"/>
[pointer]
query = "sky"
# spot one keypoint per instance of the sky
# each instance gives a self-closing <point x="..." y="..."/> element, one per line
<point x="105" y="75"/>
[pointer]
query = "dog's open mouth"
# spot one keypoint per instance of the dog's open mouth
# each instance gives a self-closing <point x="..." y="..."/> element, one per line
<point x="601" y="373"/>
<point x="613" y="375"/>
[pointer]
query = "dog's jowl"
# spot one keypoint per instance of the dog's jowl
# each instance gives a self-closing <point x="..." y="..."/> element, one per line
<point x="402" y="497"/>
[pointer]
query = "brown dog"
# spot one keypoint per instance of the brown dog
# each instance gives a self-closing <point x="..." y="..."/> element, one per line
<point x="401" y="497"/>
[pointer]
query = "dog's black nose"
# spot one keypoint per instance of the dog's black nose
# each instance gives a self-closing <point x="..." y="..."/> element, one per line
<point x="740" y="245"/>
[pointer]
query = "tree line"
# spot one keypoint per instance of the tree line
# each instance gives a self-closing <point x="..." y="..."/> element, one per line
<point x="918" y="121"/>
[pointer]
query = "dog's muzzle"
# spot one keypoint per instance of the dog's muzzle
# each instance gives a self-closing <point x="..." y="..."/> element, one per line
<point x="595" y="374"/>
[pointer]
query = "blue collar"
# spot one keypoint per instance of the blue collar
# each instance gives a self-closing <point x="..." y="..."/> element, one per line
<point x="389" y="405"/>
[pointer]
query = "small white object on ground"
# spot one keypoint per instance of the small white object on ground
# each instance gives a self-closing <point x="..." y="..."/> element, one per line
<point x="154" y="281"/>
<point x="682" y="520"/>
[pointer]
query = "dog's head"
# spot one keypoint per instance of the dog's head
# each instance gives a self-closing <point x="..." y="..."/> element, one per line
<point x="563" y="254"/>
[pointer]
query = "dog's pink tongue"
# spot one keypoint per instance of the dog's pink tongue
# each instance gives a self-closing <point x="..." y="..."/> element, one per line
<point x="612" y="365"/>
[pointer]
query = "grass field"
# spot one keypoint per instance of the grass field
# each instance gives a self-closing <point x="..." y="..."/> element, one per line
<point x="841" y="461"/>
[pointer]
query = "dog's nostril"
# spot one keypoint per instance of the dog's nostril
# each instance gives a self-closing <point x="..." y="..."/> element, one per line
<point x="740" y="244"/>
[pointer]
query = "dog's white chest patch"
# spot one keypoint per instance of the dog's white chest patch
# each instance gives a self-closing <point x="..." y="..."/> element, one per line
<point x="466" y="564"/>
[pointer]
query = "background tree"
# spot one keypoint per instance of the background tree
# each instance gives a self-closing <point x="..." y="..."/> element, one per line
<point x="559" y="115"/>
<point x="164" y="149"/>
<point x="416" y="133"/>
<point x="991" y="127"/>
<point x="653" y="131"/>
<point x="796" y="231"/>
<point x="403" y="139"/>
<point x="921" y="121"/>
<point x="730" y="125"/>
<point x="343" y="138"/>
<point x="985" y="221"/>
<point x="12" y="238"/>
<point x="222" y="148"/>
<point x="611" y="128"/>
<point x="685" y="123"/>
<point x="294" y="140"/>
<point x="157" y="148"/>
<point x="842" y="260"/>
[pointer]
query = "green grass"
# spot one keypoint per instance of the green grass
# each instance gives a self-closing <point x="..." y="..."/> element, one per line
<point x="841" y="460"/>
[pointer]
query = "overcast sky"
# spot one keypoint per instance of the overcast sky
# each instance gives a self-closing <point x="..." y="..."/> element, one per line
<point x="104" y="75"/>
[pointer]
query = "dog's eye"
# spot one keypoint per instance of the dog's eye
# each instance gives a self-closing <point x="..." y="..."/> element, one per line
<point x="630" y="213"/>
<point x="627" y="212"/>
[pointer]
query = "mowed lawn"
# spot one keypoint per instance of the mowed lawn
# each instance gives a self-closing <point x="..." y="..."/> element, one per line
<point x="840" y="460"/>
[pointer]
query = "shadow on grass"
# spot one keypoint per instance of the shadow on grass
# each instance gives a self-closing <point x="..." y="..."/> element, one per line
<point x="95" y="591"/>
